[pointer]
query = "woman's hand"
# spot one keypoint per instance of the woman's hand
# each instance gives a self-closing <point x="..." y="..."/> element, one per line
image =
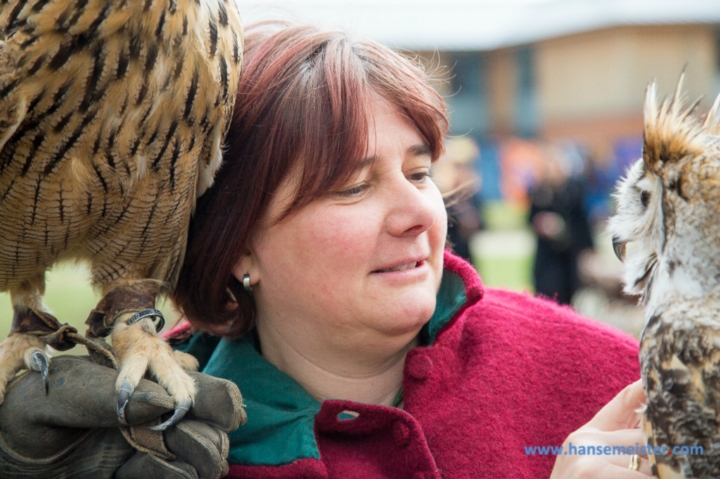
<point x="73" y="430"/>
<point x="614" y="425"/>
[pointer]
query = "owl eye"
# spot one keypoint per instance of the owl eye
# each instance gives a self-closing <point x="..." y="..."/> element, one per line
<point x="645" y="198"/>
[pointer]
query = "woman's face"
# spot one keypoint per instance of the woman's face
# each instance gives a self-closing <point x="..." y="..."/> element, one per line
<point x="363" y="264"/>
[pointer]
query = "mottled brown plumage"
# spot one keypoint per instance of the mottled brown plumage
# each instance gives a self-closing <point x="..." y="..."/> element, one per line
<point x="112" y="115"/>
<point x="669" y="206"/>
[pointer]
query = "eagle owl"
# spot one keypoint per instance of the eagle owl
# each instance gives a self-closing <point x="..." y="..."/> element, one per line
<point x="112" y="118"/>
<point x="668" y="208"/>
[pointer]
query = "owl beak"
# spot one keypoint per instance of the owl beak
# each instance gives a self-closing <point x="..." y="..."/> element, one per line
<point x="619" y="248"/>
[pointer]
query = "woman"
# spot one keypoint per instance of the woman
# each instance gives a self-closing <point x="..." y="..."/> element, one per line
<point x="363" y="348"/>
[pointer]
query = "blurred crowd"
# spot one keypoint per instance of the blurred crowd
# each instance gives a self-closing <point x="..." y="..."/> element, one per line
<point x="566" y="196"/>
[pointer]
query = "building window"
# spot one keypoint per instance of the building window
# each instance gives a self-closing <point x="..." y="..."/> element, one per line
<point x="526" y="116"/>
<point x="468" y="109"/>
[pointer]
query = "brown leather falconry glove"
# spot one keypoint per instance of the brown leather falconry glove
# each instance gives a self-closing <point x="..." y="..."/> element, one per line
<point x="73" y="431"/>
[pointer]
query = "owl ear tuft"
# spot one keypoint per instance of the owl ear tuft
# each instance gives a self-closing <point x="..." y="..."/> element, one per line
<point x="671" y="130"/>
<point x="712" y="121"/>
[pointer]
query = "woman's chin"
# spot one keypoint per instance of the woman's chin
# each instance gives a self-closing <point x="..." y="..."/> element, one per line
<point x="408" y="319"/>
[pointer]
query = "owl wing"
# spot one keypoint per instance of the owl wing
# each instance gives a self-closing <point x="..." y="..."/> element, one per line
<point x="680" y="358"/>
<point x="119" y="61"/>
<point x="13" y="108"/>
<point x="122" y="106"/>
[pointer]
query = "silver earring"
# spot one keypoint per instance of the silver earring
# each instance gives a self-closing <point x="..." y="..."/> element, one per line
<point x="246" y="283"/>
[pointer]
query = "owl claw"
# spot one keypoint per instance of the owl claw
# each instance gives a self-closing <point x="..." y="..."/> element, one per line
<point x="38" y="362"/>
<point x="180" y="411"/>
<point x="123" y="397"/>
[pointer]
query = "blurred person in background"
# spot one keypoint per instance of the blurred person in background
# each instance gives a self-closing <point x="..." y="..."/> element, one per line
<point x="457" y="180"/>
<point x="560" y="222"/>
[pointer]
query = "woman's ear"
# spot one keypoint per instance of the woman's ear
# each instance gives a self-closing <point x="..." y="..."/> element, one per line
<point x="247" y="265"/>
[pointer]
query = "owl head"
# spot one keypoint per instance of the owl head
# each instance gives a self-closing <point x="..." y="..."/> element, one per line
<point x="667" y="226"/>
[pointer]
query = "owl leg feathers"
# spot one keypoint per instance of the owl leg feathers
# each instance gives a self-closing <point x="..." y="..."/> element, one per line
<point x="127" y="313"/>
<point x="33" y="328"/>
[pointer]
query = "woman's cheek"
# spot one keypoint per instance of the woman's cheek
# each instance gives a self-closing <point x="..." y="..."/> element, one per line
<point x="345" y="234"/>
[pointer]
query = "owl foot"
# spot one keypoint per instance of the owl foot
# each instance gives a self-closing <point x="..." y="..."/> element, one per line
<point x="31" y="331"/>
<point x="140" y="349"/>
<point x="20" y="351"/>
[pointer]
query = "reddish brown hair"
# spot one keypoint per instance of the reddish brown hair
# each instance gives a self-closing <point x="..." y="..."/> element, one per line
<point x="302" y="106"/>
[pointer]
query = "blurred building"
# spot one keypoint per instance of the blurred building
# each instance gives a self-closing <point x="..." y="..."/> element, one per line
<point x="587" y="86"/>
<point x="578" y="81"/>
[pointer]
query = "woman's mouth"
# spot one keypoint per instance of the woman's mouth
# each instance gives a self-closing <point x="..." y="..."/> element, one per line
<point x="402" y="267"/>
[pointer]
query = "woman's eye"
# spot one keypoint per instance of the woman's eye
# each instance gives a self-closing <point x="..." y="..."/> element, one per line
<point x="645" y="198"/>
<point x="354" y="191"/>
<point x="420" y="176"/>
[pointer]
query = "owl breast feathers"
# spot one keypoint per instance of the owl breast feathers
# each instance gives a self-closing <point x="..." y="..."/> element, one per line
<point x="668" y="208"/>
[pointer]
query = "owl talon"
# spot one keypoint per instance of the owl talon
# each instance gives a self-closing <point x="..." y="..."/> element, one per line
<point x="182" y="409"/>
<point x="38" y="363"/>
<point x="126" y="390"/>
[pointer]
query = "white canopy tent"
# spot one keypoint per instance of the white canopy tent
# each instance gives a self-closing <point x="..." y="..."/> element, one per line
<point x="479" y="24"/>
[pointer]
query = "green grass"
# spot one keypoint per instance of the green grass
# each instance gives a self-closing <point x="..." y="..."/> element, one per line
<point x="504" y="251"/>
<point x="504" y="216"/>
<point x="69" y="296"/>
<point x="508" y="273"/>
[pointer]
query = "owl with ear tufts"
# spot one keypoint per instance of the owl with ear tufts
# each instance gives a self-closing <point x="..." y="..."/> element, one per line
<point x="668" y="214"/>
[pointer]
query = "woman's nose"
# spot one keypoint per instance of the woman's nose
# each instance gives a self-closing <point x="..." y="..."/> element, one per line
<point x="412" y="210"/>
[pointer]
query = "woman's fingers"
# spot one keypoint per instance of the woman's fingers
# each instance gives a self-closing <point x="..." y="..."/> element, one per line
<point x="621" y="411"/>
<point x="603" y="447"/>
